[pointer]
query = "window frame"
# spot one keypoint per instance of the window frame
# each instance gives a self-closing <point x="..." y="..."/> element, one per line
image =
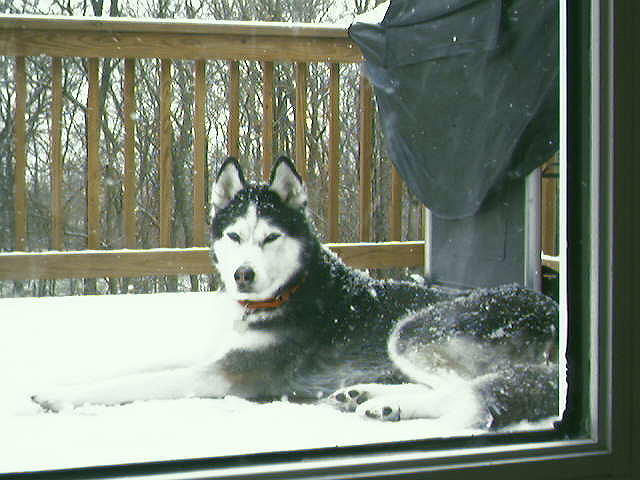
<point x="600" y="301"/>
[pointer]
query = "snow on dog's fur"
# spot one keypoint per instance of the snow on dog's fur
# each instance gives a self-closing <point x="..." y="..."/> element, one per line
<point x="314" y="329"/>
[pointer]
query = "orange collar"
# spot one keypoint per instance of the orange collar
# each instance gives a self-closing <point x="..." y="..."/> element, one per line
<point x="274" y="302"/>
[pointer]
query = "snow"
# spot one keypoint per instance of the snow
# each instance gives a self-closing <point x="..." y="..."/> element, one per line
<point x="374" y="16"/>
<point x="64" y="340"/>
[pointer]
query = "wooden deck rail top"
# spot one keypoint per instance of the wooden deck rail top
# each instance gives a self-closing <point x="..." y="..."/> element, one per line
<point x="95" y="37"/>
<point x="158" y="25"/>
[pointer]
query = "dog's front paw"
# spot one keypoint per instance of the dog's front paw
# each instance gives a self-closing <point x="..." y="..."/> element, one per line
<point x="50" y="404"/>
<point x="348" y="399"/>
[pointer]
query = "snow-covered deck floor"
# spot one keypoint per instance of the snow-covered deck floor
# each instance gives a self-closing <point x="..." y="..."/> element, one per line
<point x="50" y="341"/>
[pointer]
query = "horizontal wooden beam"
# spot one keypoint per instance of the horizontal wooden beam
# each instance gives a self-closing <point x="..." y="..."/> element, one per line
<point x="103" y="263"/>
<point x="179" y="261"/>
<point x="380" y="255"/>
<point x="201" y="41"/>
<point x="158" y="25"/>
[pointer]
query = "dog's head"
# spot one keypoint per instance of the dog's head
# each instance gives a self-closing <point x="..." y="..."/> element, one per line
<point x="259" y="231"/>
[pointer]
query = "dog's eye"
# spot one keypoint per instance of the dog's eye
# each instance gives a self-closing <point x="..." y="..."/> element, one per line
<point x="234" y="236"/>
<point x="270" y="238"/>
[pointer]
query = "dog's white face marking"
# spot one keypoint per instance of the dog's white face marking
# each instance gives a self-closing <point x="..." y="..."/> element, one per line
<point x="253" y="244"/>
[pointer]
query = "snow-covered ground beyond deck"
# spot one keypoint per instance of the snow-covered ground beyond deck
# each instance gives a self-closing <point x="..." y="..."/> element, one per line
<point x="53" y="341"/>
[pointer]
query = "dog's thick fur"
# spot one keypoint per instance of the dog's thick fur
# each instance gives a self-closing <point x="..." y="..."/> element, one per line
<point x="313" y="328"/>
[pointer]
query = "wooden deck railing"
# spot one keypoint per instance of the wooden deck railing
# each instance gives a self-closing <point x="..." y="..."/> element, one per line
<point x="93" y="39"/>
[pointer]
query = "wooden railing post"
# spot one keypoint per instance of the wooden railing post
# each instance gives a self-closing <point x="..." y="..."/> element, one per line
<point x="549" y="207"/>
<point x="395" y="208"/>
<point x="233" y="98"/>
<point x="199" y="151"/>
<point x="20" y="146"/>
<point x="301" y="118"/>
<point x="94" y="167"/>
<point x="165" y="166"/>
<point x="267" y="119"/>
<point x="366" y="153"/>
<point x="334" y="153"/>
<point x="129" y="183"/>
<point x="55" y="156"/>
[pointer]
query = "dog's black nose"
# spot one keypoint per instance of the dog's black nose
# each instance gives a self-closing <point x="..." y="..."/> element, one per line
<point x="244" y="277"/>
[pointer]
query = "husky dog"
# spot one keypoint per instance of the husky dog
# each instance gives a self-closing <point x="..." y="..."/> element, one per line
<point x="314" y="329"/>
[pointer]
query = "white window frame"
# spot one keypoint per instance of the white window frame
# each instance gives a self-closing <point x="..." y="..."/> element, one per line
<point x="612" y="447"/>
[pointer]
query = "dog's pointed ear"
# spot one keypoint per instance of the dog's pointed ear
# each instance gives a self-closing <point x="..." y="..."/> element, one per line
<point x="286" y="182"/>
<point x="229" y="182"/>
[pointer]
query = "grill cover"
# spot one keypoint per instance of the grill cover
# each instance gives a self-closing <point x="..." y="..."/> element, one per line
<point x="467" y="92"/>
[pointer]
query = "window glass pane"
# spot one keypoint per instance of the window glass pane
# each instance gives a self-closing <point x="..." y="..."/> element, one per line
<point x="246" y="227"/>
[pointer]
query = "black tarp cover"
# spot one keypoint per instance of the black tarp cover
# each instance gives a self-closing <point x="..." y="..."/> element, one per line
<point x="467" y="92"/>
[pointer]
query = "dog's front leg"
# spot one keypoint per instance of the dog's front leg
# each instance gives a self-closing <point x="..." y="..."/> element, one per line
<point x="161" y="385"/>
